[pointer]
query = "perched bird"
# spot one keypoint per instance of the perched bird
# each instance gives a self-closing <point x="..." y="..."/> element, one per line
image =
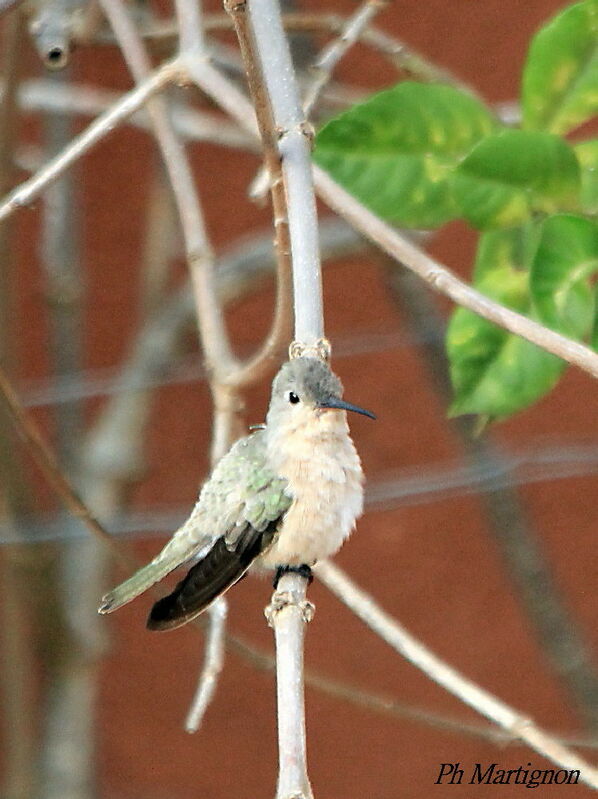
<point x="284" y="496"/>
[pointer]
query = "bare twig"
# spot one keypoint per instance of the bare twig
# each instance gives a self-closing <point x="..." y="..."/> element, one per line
<point x="197" y="247"/>
<point x="217" y="352"/>
<point x="213" y="663"/>
<point x="399" y="248"/>
<point x="51" y="31"/>
<point x="280" y="332"/>
<point x="335" y="50"/>
<point x="518" y="725"/>
<point x="294" y="146"/>
<point x="272" y="80"/>
<point x="77" y="99"/>
<point x="390" y="706"/>
<point x="97" y="130"/>
<point x="190" y="27"/>
<point x="444" y="281"/>
<point x="324" y="65"/>
<point x="46" y="460"/>
<point x="200" y="260"/>
<point x="288" y="614"/>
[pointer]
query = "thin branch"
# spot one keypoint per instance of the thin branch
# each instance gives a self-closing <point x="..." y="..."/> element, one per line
<point x="280" y="332"/>
<point x="323" y="67"/>
<point x="444" y="281"/>
<point x="190" y="27"/>
<point x="77" y="99"/>
<point x="333" y="52"/>
<point x="390" y="241"/>
<point x="197" y="247"/>
<point x="46" y="460"/>
<point x="97" y="130"/>
<point x="272" y="57"/>
<point x="213" y="663"/>
<point x="288" y="614"/>
<point x="390" y="706"/>
<point x="50" y="29"/>
<point x="518" y="725"/>
<point x="269" y="66"/>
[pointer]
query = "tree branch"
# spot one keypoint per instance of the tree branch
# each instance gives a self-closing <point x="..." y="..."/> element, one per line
<point x="213" y="663"/>
<point x="97" y="130"/>
<point x="286" y="137"/>
<point x="518" y="725"/>
<point x="390" y="241"/>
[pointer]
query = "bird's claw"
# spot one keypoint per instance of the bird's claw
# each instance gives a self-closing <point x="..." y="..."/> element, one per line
<point x="284" y="599"/>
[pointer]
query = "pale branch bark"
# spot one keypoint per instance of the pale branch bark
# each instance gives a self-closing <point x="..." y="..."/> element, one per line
<point x="399" y="248"/>
<point x="197" y="247"/>
<point x="200" y="259"/>
<point x="30" y="189"/>
<point x="288" y="614"/>
<point x="213" y="664"/>
<point x="333" y="52"/>
<point x="46" y="460"/>
<point x="444" y="281"/>
<point x="272" y="80"/>
<point x="217" y="352"/>
<point x="190" y="27"/>
<point x="51" y="27"/>
<point x="391" y="707"/>
<point x="518" y="725"/>
<point x="322" y="68"/>
<point x="395" y="51"/>
<point x="273" y="58"/>
<point x="43" y="95"/>
<point x="280" y="332"/>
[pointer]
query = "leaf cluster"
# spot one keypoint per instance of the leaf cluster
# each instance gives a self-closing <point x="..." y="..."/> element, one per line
<point x="421" y="155"/>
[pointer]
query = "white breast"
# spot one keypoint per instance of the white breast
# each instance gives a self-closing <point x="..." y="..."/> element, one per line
<point x="324" y="473"/>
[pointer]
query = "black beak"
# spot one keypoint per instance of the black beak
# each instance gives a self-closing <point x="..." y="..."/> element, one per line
<point x="333" y="402"/>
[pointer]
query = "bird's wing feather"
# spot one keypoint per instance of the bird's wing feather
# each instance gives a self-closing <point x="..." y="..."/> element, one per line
<point x="241" y="493"/>
<point x="221" y="568"/>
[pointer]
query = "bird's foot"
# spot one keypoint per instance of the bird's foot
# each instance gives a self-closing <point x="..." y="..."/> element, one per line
<point x="304" y="570"/>
<point x="284" y="599"/>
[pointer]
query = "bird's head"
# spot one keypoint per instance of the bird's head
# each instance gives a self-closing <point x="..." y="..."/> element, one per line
<point x="305" y="390"/>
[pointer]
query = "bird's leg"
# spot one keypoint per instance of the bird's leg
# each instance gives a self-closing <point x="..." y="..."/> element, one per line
<point x="304" y="570"/>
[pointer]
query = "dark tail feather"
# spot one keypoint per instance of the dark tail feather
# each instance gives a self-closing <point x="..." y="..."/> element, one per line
<point x="207" y="580"/>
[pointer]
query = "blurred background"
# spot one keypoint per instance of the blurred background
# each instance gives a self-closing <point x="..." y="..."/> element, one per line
<point x="484" y="548"/>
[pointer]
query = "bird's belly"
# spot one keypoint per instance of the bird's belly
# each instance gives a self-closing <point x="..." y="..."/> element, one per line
<point x="321" y="517"/>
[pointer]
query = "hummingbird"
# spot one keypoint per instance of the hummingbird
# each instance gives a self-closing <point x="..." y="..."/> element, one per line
<point x="283" y="497"/>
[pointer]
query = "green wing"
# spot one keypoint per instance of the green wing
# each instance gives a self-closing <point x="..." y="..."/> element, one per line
<point x="242" y="493"/>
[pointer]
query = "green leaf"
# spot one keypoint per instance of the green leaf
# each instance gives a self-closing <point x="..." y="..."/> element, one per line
<point x="587" y="155"/>
<point x="395" y="151"/>
<point x="560" y="78"/>
<point x="566" y="258"/>
<point x="493" y="372"/>
<point x="505" y="249"/>
<point x="509" y="175"/>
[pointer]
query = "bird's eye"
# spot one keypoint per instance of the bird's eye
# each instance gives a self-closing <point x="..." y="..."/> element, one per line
<point x="293" y="398"/>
